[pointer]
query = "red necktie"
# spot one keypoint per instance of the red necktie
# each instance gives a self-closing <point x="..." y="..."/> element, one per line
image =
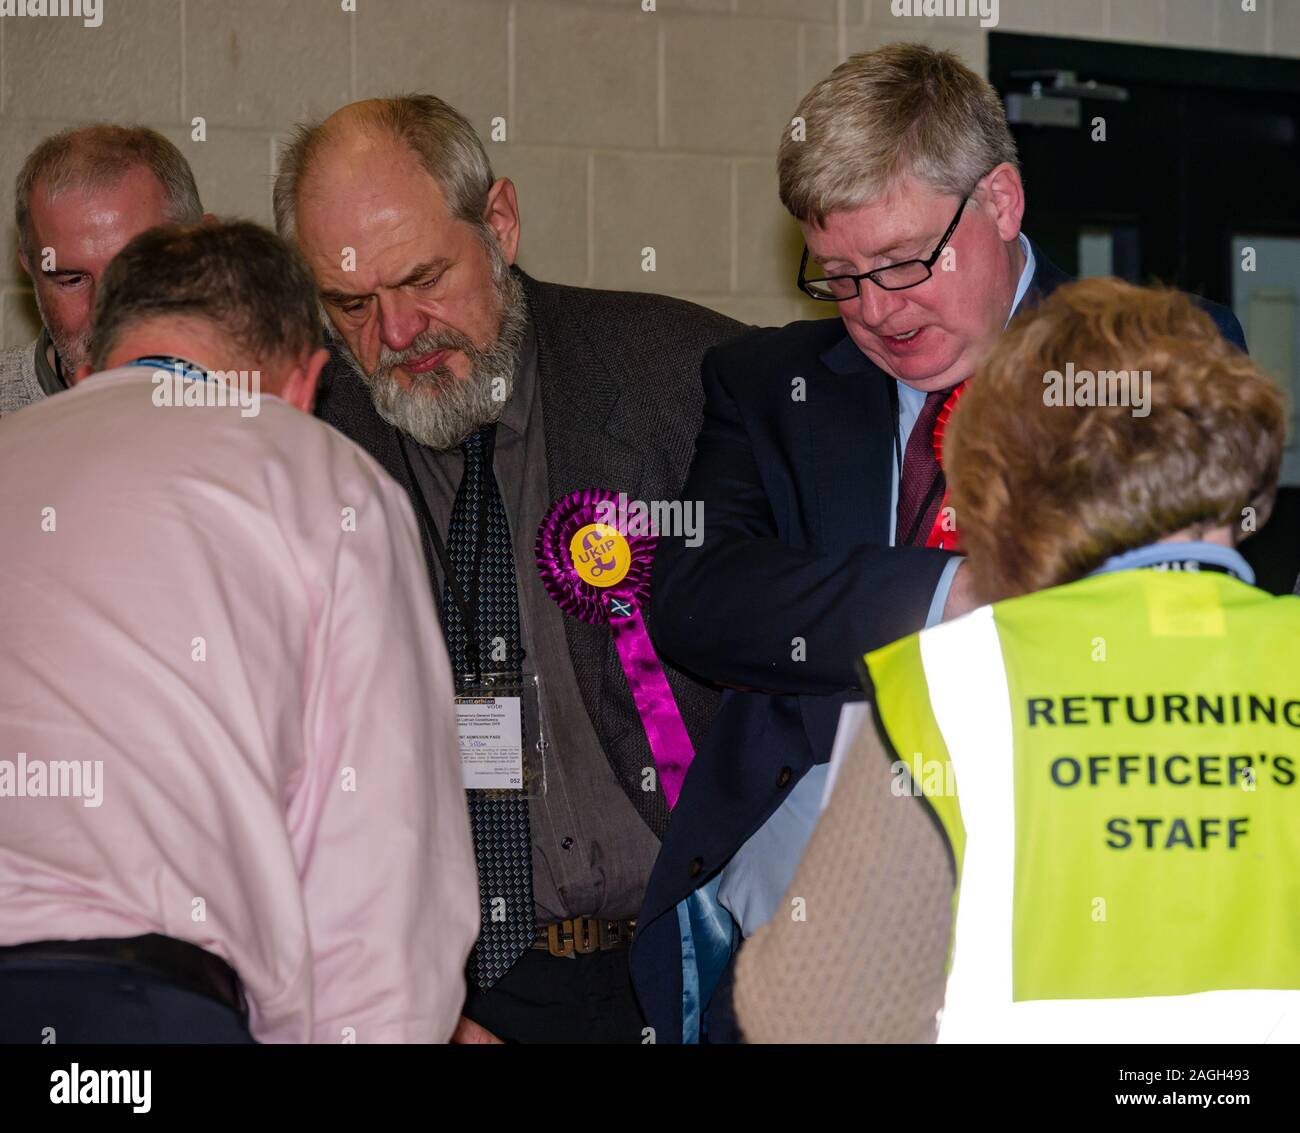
<point x="917" y="487"/>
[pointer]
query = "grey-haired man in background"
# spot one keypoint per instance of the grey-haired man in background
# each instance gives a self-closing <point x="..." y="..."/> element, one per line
<point x="80" y="196"/>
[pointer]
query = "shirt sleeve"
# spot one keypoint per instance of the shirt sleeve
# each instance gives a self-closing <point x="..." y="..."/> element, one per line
<point x="379" y="821"/>
<point x="940" y="599"/>
<point x="858" y="949"/>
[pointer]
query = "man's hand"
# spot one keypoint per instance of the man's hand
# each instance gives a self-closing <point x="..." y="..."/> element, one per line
<point x="961" y="598"/>
<point x="468" y="1031"/>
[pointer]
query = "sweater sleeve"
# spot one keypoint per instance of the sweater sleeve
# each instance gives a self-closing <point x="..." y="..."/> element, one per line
<point x="862" y="957"/>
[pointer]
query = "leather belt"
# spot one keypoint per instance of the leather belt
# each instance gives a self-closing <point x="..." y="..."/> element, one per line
<point x="173" y="961"/>
<point x="583" y="936"/>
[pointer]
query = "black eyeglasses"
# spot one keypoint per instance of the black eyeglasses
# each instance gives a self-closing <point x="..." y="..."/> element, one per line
<point x="893" y="277"/>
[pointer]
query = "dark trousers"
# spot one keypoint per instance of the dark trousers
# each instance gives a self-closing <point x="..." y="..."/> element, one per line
<point x="92" y="1001"/>
<point x="552" y="999"/>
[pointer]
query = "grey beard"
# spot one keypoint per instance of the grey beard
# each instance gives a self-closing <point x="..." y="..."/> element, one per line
<point x="439" y="409"/>
<point x="72" y="351"/>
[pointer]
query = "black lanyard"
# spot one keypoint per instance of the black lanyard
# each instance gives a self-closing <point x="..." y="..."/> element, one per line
<point x="468" y="607"/>
<point x="936" y="486"/>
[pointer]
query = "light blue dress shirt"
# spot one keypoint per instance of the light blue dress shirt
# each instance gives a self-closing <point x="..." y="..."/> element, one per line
<point x="751" y="885"/>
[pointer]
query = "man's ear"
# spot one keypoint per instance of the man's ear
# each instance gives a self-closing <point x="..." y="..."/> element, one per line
<point x="83" y="372"/>
<point x="1006" y="196"/>
<point x="299" y="388"/>
<point x="22" y="259"/>
<point x="502" y="216"/>
<point x="210" y="218"/>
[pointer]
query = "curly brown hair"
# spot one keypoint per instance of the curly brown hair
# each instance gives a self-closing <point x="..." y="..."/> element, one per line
<point x="1045" y="492"/>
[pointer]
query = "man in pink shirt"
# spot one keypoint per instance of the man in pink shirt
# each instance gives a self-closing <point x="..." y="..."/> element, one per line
<point x="230" y="797"/>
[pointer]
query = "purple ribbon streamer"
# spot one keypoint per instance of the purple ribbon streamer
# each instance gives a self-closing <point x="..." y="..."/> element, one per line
<point x="668" y="738"/>
<point x="619" y="607"/>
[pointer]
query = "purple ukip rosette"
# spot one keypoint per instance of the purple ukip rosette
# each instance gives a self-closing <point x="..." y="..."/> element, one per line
<point x="602" y="575"/>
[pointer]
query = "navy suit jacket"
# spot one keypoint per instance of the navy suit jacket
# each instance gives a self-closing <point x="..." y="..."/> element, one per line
<point x="793" y="581"/>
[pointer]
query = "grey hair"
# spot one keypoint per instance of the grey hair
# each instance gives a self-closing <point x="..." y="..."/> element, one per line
<point x="434" y="131"/>
<point x="97" y="157"/>
<point x="903" y="109"/>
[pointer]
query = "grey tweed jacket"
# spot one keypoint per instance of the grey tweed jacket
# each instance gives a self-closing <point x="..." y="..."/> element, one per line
<point x="18" y="383"/>
<point x="622" y="403"/>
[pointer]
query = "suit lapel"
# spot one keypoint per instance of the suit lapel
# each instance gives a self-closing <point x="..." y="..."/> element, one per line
<point x="589" y="443"/>
<point x="592" y="441"/>
<point x="849" y="447"/>
<point x="575" y="459"/>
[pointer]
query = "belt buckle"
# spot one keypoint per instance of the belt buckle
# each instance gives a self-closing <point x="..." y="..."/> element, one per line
<point x="586" y="936"/>
<point x="557" y="946"/>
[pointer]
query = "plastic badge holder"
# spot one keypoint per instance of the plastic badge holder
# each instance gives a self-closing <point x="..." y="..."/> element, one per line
<point x="502" y="743"/>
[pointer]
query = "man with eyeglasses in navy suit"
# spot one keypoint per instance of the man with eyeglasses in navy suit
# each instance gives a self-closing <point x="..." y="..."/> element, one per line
<point x="819" y="470"/>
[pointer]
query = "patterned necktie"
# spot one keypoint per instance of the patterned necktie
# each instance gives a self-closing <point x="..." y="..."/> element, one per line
<point x="498" y="819"/>
<point x="917" y="480"/>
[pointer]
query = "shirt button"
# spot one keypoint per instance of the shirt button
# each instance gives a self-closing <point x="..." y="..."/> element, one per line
<point x="697" y="867"/>
<point x="784" y="778"/>
<point x="567" y="843"/>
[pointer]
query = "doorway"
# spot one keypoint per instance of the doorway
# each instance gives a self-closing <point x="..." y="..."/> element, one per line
<point x="1154" y="163"/>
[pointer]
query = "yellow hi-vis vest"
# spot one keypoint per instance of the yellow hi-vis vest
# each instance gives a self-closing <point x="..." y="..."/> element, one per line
<point x="1127" y="833"/>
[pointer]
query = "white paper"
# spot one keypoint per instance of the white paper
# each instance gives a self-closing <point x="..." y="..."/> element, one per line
<point x="852" y="716"/>
<point x="491" y="742"/>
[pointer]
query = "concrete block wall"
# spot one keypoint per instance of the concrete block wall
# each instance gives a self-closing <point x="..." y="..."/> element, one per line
<point x="626" y="129"/>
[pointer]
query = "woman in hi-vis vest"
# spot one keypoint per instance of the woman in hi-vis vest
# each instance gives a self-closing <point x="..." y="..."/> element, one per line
<point x="1106" y="757"/>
